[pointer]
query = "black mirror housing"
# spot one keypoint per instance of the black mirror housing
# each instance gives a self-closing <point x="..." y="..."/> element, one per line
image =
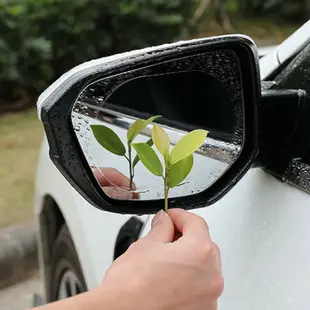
<point x="55" y="106"/>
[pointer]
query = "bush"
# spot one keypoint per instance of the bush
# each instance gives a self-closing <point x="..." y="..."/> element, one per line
<point x="41" y="39"/>
<point x="24" y="57"/>
<point x="291" y="10"/>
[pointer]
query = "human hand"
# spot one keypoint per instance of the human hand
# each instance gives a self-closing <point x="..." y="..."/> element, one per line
<point x="163" y="272"/>
<point x="115" y="184"/>
<point x="175" y="267"/>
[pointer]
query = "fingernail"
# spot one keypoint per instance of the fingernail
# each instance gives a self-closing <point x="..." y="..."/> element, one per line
<point x="158" y="217"/>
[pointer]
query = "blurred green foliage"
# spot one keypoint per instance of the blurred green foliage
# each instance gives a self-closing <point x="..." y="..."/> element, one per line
<point x="293" y="10"/>
<point x="41" y="39"/>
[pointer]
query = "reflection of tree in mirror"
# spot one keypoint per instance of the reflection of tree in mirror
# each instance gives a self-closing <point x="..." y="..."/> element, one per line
<point x="109" y="140"/>
<point x="177" y="164"/>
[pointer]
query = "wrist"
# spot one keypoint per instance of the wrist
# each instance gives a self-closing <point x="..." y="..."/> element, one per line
<point x="111" y="297"/>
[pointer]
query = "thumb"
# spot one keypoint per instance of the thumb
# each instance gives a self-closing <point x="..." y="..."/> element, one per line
<point x="162" y="228"/>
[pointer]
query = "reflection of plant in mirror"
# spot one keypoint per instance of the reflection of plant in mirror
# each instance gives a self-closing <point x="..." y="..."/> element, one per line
<point x="177" y="164"/>
<point x="109" y="140"/>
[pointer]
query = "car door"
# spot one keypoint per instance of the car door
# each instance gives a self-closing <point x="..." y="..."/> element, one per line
<point x="262" y="225"/>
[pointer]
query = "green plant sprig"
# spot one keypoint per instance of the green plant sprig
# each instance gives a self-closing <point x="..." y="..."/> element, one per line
<point x="177" y="164"/>
<point x="109" y="140"/>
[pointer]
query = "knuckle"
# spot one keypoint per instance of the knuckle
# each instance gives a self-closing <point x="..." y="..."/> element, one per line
<point x="206" y="225"/>
<point x="202" y="222"/>
<point x="216" y="248"/>
<point x="209" y="253"/>
<point x="217" y="286"/>
<point x="206" y="250"/>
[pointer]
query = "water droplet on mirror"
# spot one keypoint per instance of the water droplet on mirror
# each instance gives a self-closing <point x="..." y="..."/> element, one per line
<point x="141" y="190"/>
<point x="77" y="128"/>
<point x="86" y="121"/>
<point x="79" y="117"/>
<point x="184" y="183"/>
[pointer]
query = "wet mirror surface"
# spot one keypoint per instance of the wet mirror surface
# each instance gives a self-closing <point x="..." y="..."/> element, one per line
<point x="134" y="138"/>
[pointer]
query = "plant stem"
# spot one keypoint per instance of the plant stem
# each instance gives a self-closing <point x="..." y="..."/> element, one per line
<point x="130" y="166"/>
<point x="166" y="189"/>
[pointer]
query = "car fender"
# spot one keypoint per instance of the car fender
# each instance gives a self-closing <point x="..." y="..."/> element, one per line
<point x="93" y="231"/>
<point x="262" y="228"/>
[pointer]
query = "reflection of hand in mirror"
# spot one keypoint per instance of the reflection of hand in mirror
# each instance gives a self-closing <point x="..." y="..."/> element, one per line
<point x="115" y="184"/>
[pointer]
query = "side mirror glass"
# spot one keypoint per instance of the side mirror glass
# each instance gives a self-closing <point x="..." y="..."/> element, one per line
<point x="112" y="133"/>
<point x="177" y="130"/>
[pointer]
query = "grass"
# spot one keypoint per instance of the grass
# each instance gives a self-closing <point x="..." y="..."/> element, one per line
<point x="20" y="137"/>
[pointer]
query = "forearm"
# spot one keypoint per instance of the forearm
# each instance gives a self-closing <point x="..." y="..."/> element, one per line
<point x="94" y="299"/>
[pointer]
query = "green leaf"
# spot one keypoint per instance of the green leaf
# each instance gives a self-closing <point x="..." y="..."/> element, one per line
<point x="108" y="139"/>
<point x="134" y="129"/>
<point x="187" y="145"/>
<point x="149" y="158"/>
<point x="138" y="126"/>
<point x="137" y="159"/>
<point x="179" y="171"/>
<point x="161" y="140"/>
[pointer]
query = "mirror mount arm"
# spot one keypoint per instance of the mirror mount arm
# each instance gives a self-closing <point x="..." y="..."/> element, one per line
<point x="284" y="130"/>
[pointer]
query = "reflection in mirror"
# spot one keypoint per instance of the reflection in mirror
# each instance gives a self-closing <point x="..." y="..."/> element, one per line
<point x="135" y="136"/>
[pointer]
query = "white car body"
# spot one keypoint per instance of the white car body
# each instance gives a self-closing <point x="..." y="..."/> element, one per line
<point x="261" y="226"/>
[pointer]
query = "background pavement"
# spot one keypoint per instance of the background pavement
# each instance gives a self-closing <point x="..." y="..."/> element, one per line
<point x="19" y="296"/>
<point x="18" y="254"/>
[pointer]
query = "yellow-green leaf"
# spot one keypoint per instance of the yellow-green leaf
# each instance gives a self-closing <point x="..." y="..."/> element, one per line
<point x="137" y="159"/>
<point x="179" y="171"/>
<point x="151" y="119"/>
<point x="134" y="129"/>
<point x="137" y="126"/>
<point x="149" y="158"/>
<point x="108" y="139"/>
<point x="187" y="145"/>
<point x="161" y="140"/>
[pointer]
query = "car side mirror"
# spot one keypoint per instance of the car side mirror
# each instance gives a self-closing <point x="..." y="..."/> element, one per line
<point x="118" y="127"/>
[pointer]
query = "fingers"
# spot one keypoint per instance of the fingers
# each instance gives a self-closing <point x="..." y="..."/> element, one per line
<point x="135" y="195"/>
<point x="178" y="224"/>
<point x="162" y="228"/>
<point x="115" y="184"/>
<point x="118" y="193"/>
<point x="189" y="224"/>
<point x="112" y="177"/>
